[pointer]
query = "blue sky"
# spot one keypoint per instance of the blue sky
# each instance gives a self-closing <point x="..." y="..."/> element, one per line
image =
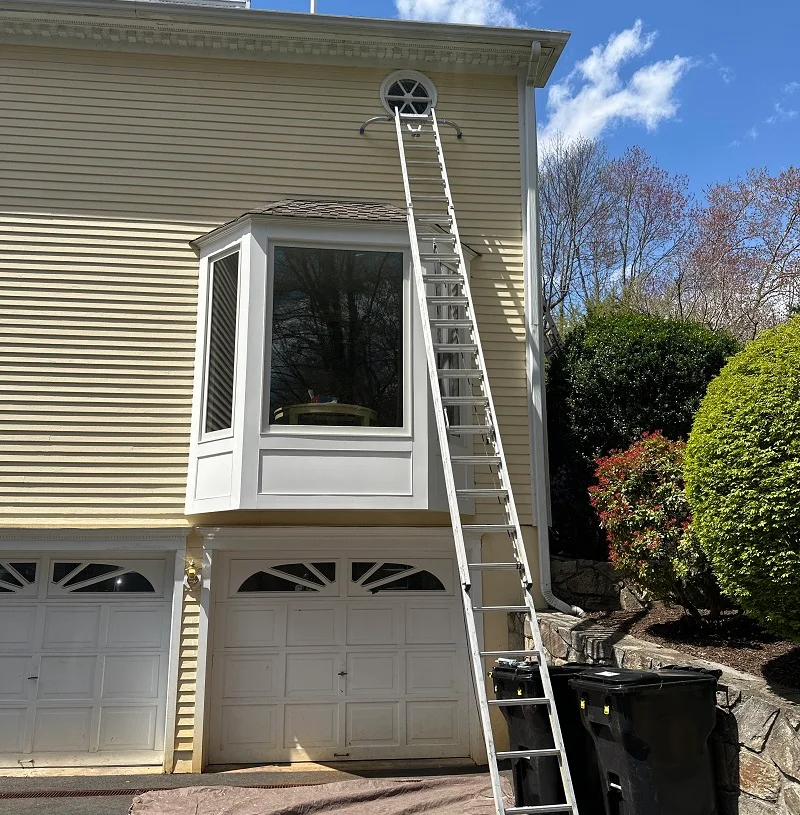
<point x="708" y="88"/>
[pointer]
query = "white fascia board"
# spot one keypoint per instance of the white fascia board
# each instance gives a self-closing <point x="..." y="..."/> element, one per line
<point x="236" y="33"/>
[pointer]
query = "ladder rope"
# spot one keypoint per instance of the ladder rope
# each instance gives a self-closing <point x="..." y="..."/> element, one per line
<point x="452" y="297"/>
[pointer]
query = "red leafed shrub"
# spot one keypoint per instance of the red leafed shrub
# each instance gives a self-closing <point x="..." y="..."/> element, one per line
<point x="641" y="503"/>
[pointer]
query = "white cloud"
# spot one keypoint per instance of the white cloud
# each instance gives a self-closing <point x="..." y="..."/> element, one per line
<point x="735" y="143"/>
<point x="725" y="71"/>
<point x="595" y="96"/>
<point x="474" y="12"/>
<point x="780" y="115"/>
<point x="752" y="134"/>
<point x="791" y="87"/>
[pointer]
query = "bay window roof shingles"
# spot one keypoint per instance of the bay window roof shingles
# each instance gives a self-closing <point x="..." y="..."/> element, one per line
<point x="323" y="209"/>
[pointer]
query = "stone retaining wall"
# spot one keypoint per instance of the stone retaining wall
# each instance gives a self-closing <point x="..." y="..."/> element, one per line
<point x="591" y="584"/>
<point x="756" y="742"/>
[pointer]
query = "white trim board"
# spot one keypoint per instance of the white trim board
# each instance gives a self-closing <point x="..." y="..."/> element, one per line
<point x="91" y="540"/>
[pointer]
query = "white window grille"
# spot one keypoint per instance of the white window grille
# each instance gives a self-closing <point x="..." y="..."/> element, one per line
<point x="410" y="91"/>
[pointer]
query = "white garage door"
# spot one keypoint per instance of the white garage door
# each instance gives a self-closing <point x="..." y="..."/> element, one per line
<point x="84" y="645"/>
<point x="338" y="659"/>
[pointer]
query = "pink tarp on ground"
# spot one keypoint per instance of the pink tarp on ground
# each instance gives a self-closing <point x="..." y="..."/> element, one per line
<point x="443" y="795"/>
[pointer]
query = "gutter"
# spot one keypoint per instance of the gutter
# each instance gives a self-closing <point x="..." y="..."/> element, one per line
<point x="534" y="329"/>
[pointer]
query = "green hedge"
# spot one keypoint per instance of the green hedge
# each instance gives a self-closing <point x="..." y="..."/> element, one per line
<point x="743" y="478"/>
<point x="619" y="375"/>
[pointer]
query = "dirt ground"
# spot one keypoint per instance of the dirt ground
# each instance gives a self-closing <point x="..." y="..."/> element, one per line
<point x="732" y="640"/>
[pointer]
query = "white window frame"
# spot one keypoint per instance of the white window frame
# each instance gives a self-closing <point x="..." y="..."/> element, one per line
<point x="234" y="248"/>
<point x="417" y="76"/>
<point x="269" y="429"/>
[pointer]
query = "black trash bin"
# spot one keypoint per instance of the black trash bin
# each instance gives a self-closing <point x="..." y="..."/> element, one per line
<point x="651" y="731"/>
<point x="537" y="780"/>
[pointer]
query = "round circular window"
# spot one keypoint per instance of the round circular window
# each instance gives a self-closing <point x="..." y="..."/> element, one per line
<point x="410" y="91"/>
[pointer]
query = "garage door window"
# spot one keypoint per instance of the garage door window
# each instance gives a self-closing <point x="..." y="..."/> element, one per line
<point x="291" y="577"/>
<point x="100" y="578"/>
<point x="16" y="576"/>
<point x="375" y="577"/>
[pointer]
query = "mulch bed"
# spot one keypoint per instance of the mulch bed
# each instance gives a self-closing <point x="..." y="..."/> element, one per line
<point x="732" y="640"/>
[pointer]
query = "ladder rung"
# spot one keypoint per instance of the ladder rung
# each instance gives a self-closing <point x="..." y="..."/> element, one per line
<point x="534" y="654"/>
<point x="431" y="218"/>
<point x="477" y="460"/>
<point x="488" y="527"/>
<point x="445" y="258"/>
<point x="457" y="279"/>
<point x="455" y="347"/>
<point x="546" y="751"/>
<point x="430" y="197"/>
<point x="451" y="323"/>
<point x="426" y="179"/>
<point x="447" y="300"/>
<point x="521" y="700"/>
<point x="466" y="400"/>
<point x="428" y="161"/>
<point x="436" y="236"/>
<point x="484" y="609"/>
<point x="458" y="373"/>
<point x="532" y="810"/>
<point x="482" y="492"/>
<point x="488" y="567"/>
<point x="470" y="429"/>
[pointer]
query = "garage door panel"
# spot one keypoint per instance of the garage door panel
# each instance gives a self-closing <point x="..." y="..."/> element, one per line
<point x="130" y="627"/>
<point x="12" y="729"/>
<point x="430" y="625"/>
<point x="87" y="669"/>
<point x="350" y="674"/>
<point x="431" y="673"/>
<point x="67" y="677"/>
<point x="133" y="676"/>
<point x="314" y="624"/>
<point x="14" y="673"/>
<point x="17" y="627"/>
<point x="240" y="676"/>
<point x="312" y="674"/>
<point x="62" y="729"/>
<point x="373" y="673"/>
<point x="432" y="722"/>
<point x="378" y="625"/>
<point x="254" y="626"/>
<point x="373" y="724"/>
<point x="311" y="725"/>
<point x="128" y="728"/>
<point x="245" y="729"/>
<point x="68" y="627"/>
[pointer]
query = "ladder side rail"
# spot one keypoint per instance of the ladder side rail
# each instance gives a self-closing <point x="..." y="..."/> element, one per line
<point x="452" y="497"/>
<point x="467" y="289"/>
<point x="505" y="477"/>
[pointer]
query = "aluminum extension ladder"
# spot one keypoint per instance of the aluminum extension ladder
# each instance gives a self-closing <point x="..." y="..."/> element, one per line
<point x="464" y="407"/>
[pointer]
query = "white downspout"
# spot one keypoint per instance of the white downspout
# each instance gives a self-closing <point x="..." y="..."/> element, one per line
<point x="534" y="330"/>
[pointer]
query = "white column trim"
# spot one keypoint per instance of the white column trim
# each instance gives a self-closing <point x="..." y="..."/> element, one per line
<point x="202" y="679"/>
<point x="174" y="661"/>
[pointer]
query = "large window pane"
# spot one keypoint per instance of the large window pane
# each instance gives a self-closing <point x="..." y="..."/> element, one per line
<point x="222" y="344"/>
<point x="337" y="336"/>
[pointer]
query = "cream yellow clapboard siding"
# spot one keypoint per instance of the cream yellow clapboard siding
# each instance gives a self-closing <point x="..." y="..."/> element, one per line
<point x="111" y="163"/>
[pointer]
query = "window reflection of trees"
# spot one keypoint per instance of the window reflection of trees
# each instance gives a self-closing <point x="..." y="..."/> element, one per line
<point x="337" y="329"/>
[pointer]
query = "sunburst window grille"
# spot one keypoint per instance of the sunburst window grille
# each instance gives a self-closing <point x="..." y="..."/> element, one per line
<point x="410" y="92"/>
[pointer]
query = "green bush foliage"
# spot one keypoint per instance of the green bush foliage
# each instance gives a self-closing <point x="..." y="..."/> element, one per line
<point x="641" y="502"/>
<point x="743" y="478"/>
<point x="618" y="375"/>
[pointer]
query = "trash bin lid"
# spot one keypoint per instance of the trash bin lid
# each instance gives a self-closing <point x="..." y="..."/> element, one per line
<point x="522" y="669"/>
<point x="625" y="680"/>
